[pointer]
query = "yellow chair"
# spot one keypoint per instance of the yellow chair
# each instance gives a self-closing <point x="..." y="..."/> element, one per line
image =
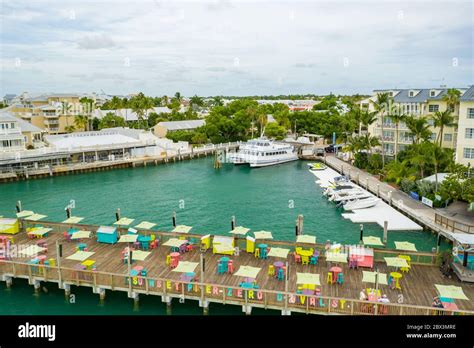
<point x="257" y="253"/>
<point x="153" y="237"/>
<point x="168" y="260"/>
<point x="408" y="259"/>
<point x="52" y="262"/>
<point x="271" y="270"/>
<point x="329" y="279"/>
<point x="304" y="260"/>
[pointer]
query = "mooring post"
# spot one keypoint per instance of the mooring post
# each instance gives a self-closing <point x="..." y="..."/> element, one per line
<point x="18" y="207"/>
<point x="385" y="231"/>
<point x="9" y="281"/>
<point x="67" y="290"/>
<point x="169" y="307"/>
<point x="117" y="214"/>
<point x="174" y="219"/>
<point x="361" y="233"/>
<point x="232" y="223"/>
<point x="438" y="244"/>
<point x="299" y="223"/>
<point x="59" y="251"/>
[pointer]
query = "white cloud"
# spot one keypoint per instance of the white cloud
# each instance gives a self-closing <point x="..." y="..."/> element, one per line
<point x="282" y="47"/>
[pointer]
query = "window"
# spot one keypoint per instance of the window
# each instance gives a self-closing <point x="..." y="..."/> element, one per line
<point x="412" y="93"/>
<point x="433" y="108"/>
<point x="468" y="152"/>
<point x="432" y="93"/>
<point x="430" y="122"/>
<point x="469" y="133"/>
<point x="433" y="136"/>
<point x="448" y="137"/>
<point x="470" y="112"/>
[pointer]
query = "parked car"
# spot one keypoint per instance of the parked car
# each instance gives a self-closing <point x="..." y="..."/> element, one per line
<point x="329" y="149"/>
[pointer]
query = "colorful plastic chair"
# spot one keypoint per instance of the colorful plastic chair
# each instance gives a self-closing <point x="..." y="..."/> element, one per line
<point x="281" y="274"/>
<point x="305" y="260"/>
<point x="257" y="253"/>
<point x="230" y="267"/>
<point x="271" y="270"/>
<point x="313" y="260"/>
<point x="168" y="260"/>
<point x="329" y="278"/>
<point x="297" y="258"/>
<point x="340" y="278"/>
<point x="220" y="268"/>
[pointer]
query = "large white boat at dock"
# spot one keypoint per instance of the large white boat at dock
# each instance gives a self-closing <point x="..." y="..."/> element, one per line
<point x="262" y="152"/>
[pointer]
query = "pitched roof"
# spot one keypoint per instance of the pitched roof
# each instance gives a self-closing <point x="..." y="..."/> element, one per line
<point x="468" y="95"/>
<point x="423" y="94"/>
<point x="182" y="125"/>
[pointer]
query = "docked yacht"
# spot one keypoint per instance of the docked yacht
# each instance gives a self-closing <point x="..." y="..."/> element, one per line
<point x="262" y="152"/>
<point x="349" y="195"/>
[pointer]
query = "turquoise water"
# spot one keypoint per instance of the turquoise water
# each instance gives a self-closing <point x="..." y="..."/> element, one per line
<point x="261" y="199"/>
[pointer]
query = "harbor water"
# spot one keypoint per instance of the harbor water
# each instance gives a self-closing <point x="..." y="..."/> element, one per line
<point x="261" y="199"/>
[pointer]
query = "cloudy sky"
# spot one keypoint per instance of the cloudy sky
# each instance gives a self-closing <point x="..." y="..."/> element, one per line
<point x="234" y="47"/>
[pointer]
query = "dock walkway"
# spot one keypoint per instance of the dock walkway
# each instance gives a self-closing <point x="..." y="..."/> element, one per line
<point x="415" y="296"/>
<point x="416" y="210"/>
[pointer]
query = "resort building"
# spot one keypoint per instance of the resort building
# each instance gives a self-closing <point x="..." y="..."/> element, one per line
<point x="416" y="102"/>
<point x="162" y="128"/>
<point x="465" y="139"/>
<point x="54" y="113"/>
<point x="17" y="134"/>
<point x="293" y="105"/>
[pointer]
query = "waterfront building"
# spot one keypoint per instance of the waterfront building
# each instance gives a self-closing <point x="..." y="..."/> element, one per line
<point x="162" y="128"/>
<point x="128" y="114"/>
<point x="11" y="138"/>
<point x="465" y="140"/>
<point x="419" y="102"/>
<point x="53" y="112"/>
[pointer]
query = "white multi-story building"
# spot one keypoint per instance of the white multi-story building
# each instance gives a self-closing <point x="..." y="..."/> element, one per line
<point x="11" y="138"/>
<point x="465" y="140"/>
<point x="416" y="102"/>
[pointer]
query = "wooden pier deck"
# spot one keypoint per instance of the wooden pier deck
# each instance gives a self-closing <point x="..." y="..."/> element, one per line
<point x="415" y="297"/>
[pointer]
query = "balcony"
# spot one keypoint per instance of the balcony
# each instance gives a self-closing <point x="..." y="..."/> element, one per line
<point x="50" y="115"/>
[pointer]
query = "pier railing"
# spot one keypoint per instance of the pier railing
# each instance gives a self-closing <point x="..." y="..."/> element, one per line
<point x="453" y="225"/>
<point x="261" y="298"/>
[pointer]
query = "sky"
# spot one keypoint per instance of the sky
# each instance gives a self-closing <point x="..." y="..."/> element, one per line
<point x="230" y="47"/>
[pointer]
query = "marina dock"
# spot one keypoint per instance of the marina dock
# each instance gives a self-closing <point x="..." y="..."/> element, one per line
<point x="111" y="274"/>
<point x="380" y="213"/>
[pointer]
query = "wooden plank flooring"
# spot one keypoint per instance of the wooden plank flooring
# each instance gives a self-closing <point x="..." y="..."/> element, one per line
<point x="417" y="285"/>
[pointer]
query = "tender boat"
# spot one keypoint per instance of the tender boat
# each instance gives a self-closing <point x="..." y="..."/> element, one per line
<point x="262" y="152"/>
<point x="317" y="166"/>
<point x="349" y="196"/>
<point x="361" y="203"/>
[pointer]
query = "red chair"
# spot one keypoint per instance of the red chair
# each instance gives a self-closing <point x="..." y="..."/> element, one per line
<point x="189" y="247"/>
<point x="230" y="267"/>
<point x="297" y="258"/>
<point x="174" y="262"/>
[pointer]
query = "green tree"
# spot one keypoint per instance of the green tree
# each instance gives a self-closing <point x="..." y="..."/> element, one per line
<point x="396" y="118"/>
<point x="451" y="98"/>
<point x="273" y="130"/>
<point x="141" y="104"/>
<point x="382" y="104"/>
<point x="419" y="128"/>
<point x="69" y="129"/>
<point x="111" y="120"/>
<point x="196" y="102"/>
<point x="81" y="122"/>
<point x="443" y="119"/>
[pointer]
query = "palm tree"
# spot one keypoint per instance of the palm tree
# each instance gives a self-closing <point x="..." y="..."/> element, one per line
<point x="353" y="145"/>
<point x="140" y="104"/>
<point x="178" y="97"/>
<point x="88" y="106"/>
<point x="82" y="122"/>
<point x="69" y="129"/>
<point x="443" y="119"/>
<point x="65" y="110"/>
<point x="439" y="156"/>
<point x="381" y="104"/>
<point x="452" y="98"/>
<point x="367" y="118"/>
<point x="419" y="128"/>
<point x="397" y="117"/>
<point x="165" y="100"/>
<point x="196" y="101"/>
<point x="217" y="101"/>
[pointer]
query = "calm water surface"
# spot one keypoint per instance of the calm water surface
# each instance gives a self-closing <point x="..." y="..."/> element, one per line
<point x="261" y="199"/>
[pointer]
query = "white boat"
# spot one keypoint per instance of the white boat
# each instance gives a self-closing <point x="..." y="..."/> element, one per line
<point x="349" y="196"/>
<point x="262" y="152"/>
<point x="361" y="203"/>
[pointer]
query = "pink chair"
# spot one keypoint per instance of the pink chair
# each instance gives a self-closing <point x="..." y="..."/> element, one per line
<point x="230" y="267"/>
<point x="297" y="258"/>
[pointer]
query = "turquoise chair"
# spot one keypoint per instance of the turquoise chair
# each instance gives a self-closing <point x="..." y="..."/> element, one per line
<point x="220" y="268"/>
<point x="313" y="260"/>
<point x="340" y="278"/>
<point x="281" y="274"/>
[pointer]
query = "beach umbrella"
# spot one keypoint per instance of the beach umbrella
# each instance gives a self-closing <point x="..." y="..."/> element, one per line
<point x="81" y="235"/>
<point x="397" y="262"/>
<point x="451" y="291"/>
<point x="80" y="255"/>
<point x="124" y="221"/>
<point x="175" y="242"/>
<point x="24" y="213"/>
<point x="279" y="252"/>
<point x="73" y="220"/>
<point x="36" y="217"/>
<point x="182" y="229"/>
<point x="139" y="255"/>
<point x="145" y="225"/>
<point x="374" y="277"/>
<point x="307" y="279"/>
<point x="336" y="257"/>
<point x="128" y="238"/>
<point x="263" y="235"/>
<point x="247" y="272"/>
<point x="240" y="230"/>
<point x="306" y="239"/>
<point x="371" y="240"/>
<point x="406" y="246"/>
<point x="186" y="267"/>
